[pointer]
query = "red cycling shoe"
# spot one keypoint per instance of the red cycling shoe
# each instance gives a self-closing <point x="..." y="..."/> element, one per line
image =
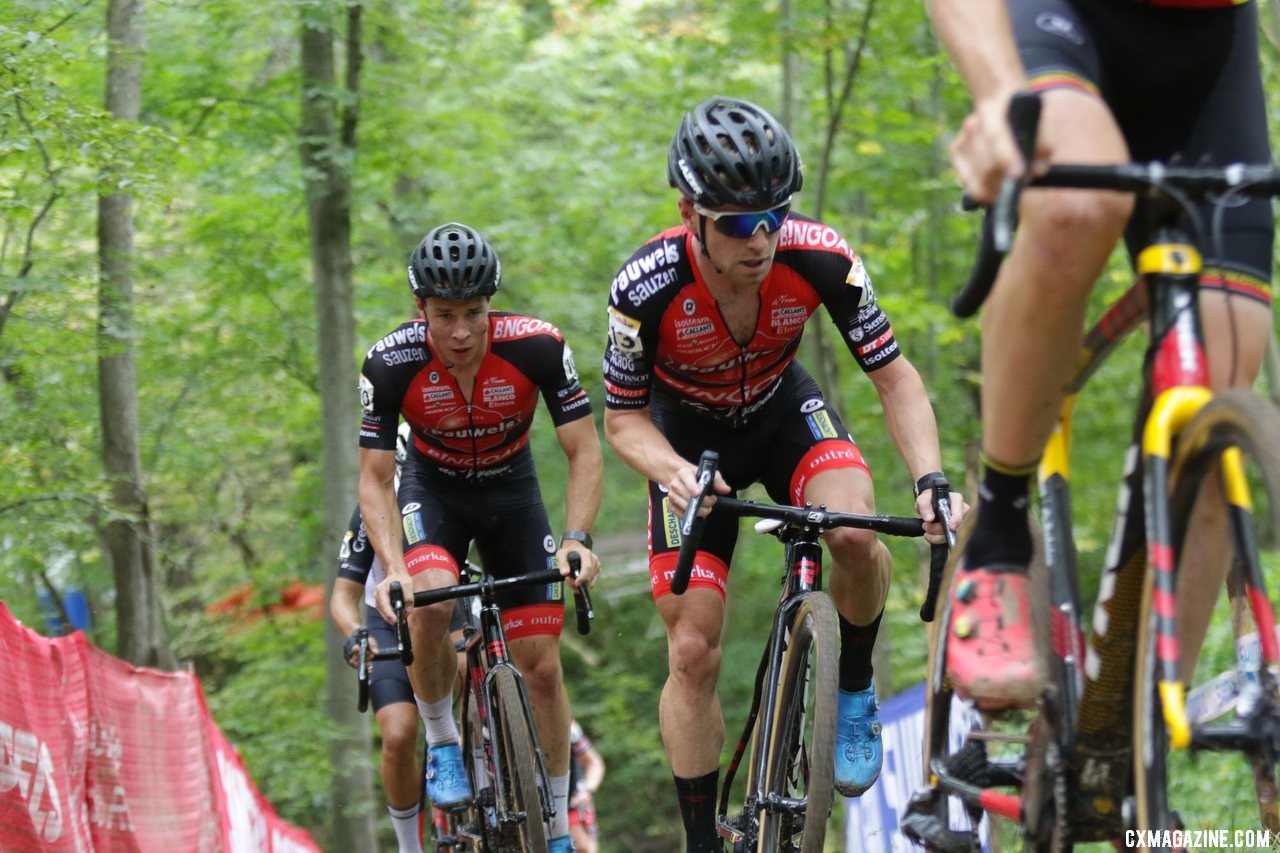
<point x="990" y="650"/>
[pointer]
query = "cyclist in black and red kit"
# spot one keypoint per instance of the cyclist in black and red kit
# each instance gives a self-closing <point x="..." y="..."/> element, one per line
<point x="467" y="381"/>
<point x="704" y="323"/>
<point x="1120" y="80"/>
<point x="359" y="572"/>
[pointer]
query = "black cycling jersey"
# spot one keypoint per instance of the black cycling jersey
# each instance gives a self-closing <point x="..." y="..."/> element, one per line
<point x="667" y="340"/>
<point x="670" y="350"/>
<point x="487" y="435"/>
<point x="1181" y="83"/>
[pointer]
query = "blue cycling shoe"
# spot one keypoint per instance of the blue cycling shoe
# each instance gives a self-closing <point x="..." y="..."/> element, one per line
<point x="447" y="783"/>
<point x="563" y="844"/>
<point x="858" y="750"/>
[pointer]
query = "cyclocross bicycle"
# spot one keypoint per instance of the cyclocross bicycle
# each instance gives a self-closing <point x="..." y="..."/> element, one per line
<point x="1169" y="717"/>
<point x="791" y="726"/>
<point x="512" y="801"/>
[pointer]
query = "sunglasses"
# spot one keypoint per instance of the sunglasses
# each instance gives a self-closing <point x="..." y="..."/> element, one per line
<point x="742" y="225"/>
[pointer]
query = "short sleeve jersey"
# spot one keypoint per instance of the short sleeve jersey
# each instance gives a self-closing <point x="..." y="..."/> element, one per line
<point x="668" y="340"/>
<point x="356" y="560"/>
<point x="485" y="436"/>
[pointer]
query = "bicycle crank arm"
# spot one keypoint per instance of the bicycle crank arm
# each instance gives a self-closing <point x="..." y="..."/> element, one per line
<point x="784" y="805"/>
<point x="1006" y="806"/>
<point x="1256" y="736"/>
<point x="929" y="831"/>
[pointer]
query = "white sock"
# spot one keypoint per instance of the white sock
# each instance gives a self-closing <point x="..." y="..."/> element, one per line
<point x="406" y="823"/>
<point x="560" y="799"/>
<point x="438" y="717"/>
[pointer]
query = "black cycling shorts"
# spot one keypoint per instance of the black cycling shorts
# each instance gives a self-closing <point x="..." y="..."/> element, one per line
<point x="508" y="523"/>
<point x="1184" y="86"/>
<point x="796" y="436"/>
<point x="389" y="680"/>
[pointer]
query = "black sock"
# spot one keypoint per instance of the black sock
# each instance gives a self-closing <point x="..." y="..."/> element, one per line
<point x="856" y="643"/>
<point x="698" y="811"/>
<point x="1002" y="533"/>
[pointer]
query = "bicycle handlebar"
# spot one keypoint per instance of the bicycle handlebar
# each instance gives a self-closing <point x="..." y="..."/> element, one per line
<point x="1186" y="184"/>
<point x="817" y="519"/>
<point x="941" y="500"/>
<point x="403" y="650"/>
<point x="488" y="585"/>
<point x="691" y="525"/>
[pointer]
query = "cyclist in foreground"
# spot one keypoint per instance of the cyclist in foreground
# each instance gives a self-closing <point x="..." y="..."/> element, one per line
<point x="705" y="321"/>
<point x="467" y="380"/>
<point x="1120" y="81"/>
<point x="359" y="572"/>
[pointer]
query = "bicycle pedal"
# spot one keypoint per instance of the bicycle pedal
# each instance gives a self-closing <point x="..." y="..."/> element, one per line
<point x="970" y="764"/>
<point x="929" y="831"/>
<point x="730" y="830"/>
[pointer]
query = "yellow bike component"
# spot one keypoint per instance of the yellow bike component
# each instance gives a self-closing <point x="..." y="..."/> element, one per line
<point x="1237" y="486"/>
<point x="1057" y="453"/>
<point x="1170" y="259"/>
<point x="1174" y="701"/>
<point x="1172" y="409"/>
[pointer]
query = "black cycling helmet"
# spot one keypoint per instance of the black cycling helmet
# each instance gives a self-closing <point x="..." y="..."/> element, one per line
<point x="729" y="151"/>
<point x="454" y="262"/>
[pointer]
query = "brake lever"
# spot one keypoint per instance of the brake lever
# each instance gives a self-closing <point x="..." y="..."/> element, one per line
<point x="581" y="596"/>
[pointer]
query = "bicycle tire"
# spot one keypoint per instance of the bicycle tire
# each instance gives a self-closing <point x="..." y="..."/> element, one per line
<point x="1243" y="422"/>
<point x="520" y="771"/>
<point x="471" y="824"/>
<point x="800" y="761"/>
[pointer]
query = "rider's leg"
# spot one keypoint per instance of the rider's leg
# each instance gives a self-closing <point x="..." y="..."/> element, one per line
<point x="401" y="784"/>
<point x="1032" y="326"/>
<point x="860" y="571"/>
<point x="1033" y="319"/>
<point x="432" y="674"/>
<point x="689" y="712"/>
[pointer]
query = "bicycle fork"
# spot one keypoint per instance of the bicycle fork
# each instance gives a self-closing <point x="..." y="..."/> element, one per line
<point x="805" y="577"/>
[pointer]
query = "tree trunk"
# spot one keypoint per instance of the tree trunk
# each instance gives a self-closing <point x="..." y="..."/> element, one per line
<point x="326" y="153"/>
<point x="140" y="634"/>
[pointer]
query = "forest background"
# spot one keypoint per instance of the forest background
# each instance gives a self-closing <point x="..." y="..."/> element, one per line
<point x="205" y="211"/>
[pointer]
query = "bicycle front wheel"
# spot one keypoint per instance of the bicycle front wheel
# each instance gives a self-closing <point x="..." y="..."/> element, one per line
<point x="1224" y="502"/>
<point x="519" y="769"/>
<point x="800" y="766"/>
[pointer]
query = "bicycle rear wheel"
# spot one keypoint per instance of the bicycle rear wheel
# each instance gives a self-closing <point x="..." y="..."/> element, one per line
<point x="520" y="772"/>
<point x="800" y="765"/>
<point x="1226" y="551"/>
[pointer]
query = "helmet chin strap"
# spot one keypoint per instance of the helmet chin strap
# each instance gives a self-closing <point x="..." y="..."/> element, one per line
<point x="702" y="243"/>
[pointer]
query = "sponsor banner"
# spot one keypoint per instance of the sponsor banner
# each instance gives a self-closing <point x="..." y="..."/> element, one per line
<point x="871" y="821"/>
<point x="100" y="755"/>
<point x="44" y="737"/>
<point x="149" y="782"/>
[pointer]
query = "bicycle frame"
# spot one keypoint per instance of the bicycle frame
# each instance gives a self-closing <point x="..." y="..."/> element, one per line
<point x="486" y="651"/>
<point x="798" y="528"/>
<point x="803" y="564"/>
<point x="1088" y="700"/>
<point x="1175" y="389"/>
<point x="485" y="647"/>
